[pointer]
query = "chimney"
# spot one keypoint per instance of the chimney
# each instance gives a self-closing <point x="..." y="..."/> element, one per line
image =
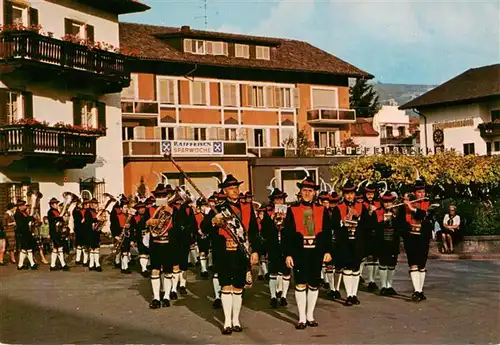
<point x="185" y="29"/>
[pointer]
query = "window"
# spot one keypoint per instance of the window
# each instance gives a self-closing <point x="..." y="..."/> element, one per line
<point x="262" y="53"/>
<point x="89" y="118"/>
<point x="389" y="132"/>
<point x="199" y="91"/>
<point x="167" y="133"/>
<point x="230" y="95"/>
<point x="325" y="98"/>
<point x="287" y="136"/>
<point x="216" y="48"/>
<point x="258" y="137"/>
<point x="230" y="134"/>
<point x="469" y="149"/>
<point x="19" y="15"/>
<point x="488" y="148"/>
<point x="242" y="51"/>
<point x="167" y="88"/>
<point x="495" y="115"/>
<point x="324" y="139"/>
<point x="131" y="92"/>
<point x="257" y="96"/>
<point x="497" y="146"/>
<point x="198" y="47"/>
<point x="283" y="97"/>
<point x="200" y="134"/>
<point x="95" y="187"/>
<point x="402" y="131"/>
<point x="13" y="105"/>
<point x="78" y="29"/>
<point x="127" y="133"/>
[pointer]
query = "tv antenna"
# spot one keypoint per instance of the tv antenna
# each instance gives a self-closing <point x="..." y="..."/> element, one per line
<point x="205" y="13"/>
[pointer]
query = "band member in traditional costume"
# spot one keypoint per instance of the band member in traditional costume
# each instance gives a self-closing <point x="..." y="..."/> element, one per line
<point x="164" y="242"/>
<point x="202" y="209"/>
<point x="119" y="228"/>
<point x="333" y="269"/>
<point x="234" y="231"/>
<point x="347" y="220"/>
<point x="85" y="233"/>
<point x="389" y="220"/>
<point x="9" y="224"/>
<point x="24" y="235"/>
<point x="416" y="236"/>
<point x="370" y="257"/>
<point x="116" y="231"/>
<point x="307" y="239"/>
<point x="78" y="214"/>
<point x="94" y="235"/>
<point x="272" y="228"/>
<point x="56" y="227"/>
<point x="326" y="272"/>
<point x="138" y="226"/>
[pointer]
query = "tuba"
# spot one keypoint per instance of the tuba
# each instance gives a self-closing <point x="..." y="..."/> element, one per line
<point x="70" y="201"/>
<point x="102" y="217"/>
<point x="35" y="210"/>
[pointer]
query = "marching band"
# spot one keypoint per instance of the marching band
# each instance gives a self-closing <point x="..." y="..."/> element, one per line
<point x="320" y="240"/>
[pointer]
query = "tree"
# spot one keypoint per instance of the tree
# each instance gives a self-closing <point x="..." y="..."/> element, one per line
<point x="302" y="144"/>
<point x="141" y="189"/>
<point x="364" y="99"/>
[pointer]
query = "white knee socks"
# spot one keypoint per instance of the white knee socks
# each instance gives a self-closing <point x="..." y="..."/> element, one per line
<point x="143" y="260"/>
<point x="53" y="258"/>
<point x="85" y="255"/>
<point x="273" y="285"/>
<point x="78" y="257"/>
<point x="372" y="271"/>
<point x="203" y="263"/>
<point x="286" y="285"/>
<point x="355" y="282"/>
<point x="348" y="281"/>
<point x="175" y="281"/>
<point x="237" y="301"/>
<point x="117" y="258"/>
<point x="383" y="277"/>
<point x="60" y="255"/>
<point x="337" y="279"/>
<point x="421" y="279"/>
<point x="92" y="258"/>
<point x="22" y="256"/>
<point x="215" y="282"/>
<point x="415" y="280"/>
<point x="30" y="258"/>
<point x="124" y="260"/>
<point x="329" y="279"/>
<point x="155" y="284"/>
<point x="96" y="258"/>
<point x="167" y="285"/>
<point x="301" y="298"/>
<point x="182" y="278"/>
<point x="390" y="276"/>
<point x="227" y="307"/>
<point x="312" y="298"/>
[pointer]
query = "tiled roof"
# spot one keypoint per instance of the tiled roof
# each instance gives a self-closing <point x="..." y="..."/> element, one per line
<point x="291" y="55"/>
<point x="363" y="128"/>
<point x="117" y="6"/>
<point x="473" y="84"/>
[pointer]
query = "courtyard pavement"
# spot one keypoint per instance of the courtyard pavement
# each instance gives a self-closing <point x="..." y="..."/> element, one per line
<point x="463" y="307"/>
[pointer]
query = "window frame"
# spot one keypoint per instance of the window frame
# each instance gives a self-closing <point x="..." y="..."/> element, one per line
<point x="334" y="89"/>
<point x="10" y="119"/>
<point x="496" y="116"/>
<point x="24" y="13"/>
<point x="93" y="112"/>
<point x="134" y="83"/>
<point x="262" y="49"/>
<point x="329" y="133"/>
<point x="467" y="149"/>
<point x="175" y="85"/>
<point x="207" y="93"/>
<point x="236" y="86"/>
<point x="245" y="48"/>
<point x="256" y="90"/>
<point x="195" y="48"/>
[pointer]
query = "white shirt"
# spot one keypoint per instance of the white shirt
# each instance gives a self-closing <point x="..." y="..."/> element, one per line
<point x="455" y="219"/>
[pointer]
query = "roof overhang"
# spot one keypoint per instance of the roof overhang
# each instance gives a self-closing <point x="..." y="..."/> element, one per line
<point x="117" y="6"/>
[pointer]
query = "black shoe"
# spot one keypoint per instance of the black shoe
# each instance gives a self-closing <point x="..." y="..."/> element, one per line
<point x="173" y="295"/>
<point x="117" y="265"/>
<point x="92" y="268"/>
<point x="337" y="295"/>
<point x="98" y="269"/>
<point x="26" y="267"/>
<point x="391" y="292"/>
<point x="54" y="268"/>
<point x="155" y="304"/>
<point x="78" y="263"/>
<point x="148" y="267"/>
<point x="416" y="297"/>
<point x="65" y="268"/>
<point x="20" y="268"/>
<point x="312" y="324"/>
<point x="331" y="294"/>
<point x="86" y="264"/>
<point x="274" y="303"/>
<point x="165" y="303"/>
<point x="348" y="301"/>
<point x="422" y="296"/>
<point x="127" y="271"/>
<point x="384" y="292"/>
<point x="355" y="300"/>
<point x="227" y="331"/>
<point x="372" y="286"/>
<point x="145" y="274"/>
<point x="260" y="277"/>
<point x="34" y="267"/>
<point x="237" y="329"/>
<point x="300" y="325"/>
<point x="283" y="302"/>
<point x="204" y="274"/>
<point x="217" y="304"/>
<point x="182" y="290"/>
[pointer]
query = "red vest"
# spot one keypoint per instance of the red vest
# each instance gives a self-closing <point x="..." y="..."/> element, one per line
<point x="374" y="203"/>
<point x="424" y="206"/>
<point x="121" y="219"/>
<point x="199" y="218"/>
<point x="152" y="211"/>
<point x="55" y="212"/>
<point x="298" y="216"/>
<point x="246" y="213"/>
<point x="344" y="210"/>
<point x="137" y="218"/>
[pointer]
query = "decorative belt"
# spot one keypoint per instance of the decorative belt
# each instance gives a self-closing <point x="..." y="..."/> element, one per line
<point x="415" y="229"/>
<point x="160" y="241"/>
<point x="388" y="234"/>
<point x="309" y="242"/>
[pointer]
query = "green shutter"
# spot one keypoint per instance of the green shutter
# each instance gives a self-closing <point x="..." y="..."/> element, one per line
<point x="33" y="16"/>
<point x="90" y="32"/>
<point x="67" y="26"/>
<point x="7" y="13"/>
<point x="28" y="105"/>
<point x="4" y="97"/>
<point x="77" y="112"/>
<point x="101" y="115"/>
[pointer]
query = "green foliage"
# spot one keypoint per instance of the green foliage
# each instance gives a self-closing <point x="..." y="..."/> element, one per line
<point x="302" y="143"/>
<point x="364" y="99"/>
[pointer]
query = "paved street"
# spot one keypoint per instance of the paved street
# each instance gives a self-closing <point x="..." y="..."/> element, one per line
<point x="108" y="307"/>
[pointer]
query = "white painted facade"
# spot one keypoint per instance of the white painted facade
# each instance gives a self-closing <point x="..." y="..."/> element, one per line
<point x="391" y="116"/>
<point x="369" y="142"/>
<point x="54" y="106"/>
<point x="455" y="138"/>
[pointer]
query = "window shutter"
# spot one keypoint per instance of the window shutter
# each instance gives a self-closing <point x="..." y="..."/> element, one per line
<point x="188" y="45"/>
<point x="225" y="49"/>
<point x="139" y="132"/>
<point x="278" y="98"/>
<point x="296" y="98"/>
<point x="204" y="93"/>
<point x="190" y="133"/>
<point x="7" y="13"/>
<point x="211" y="133"/>
<point x="250" y="99"/>
<point x="171" y="91"/>
<point x="221" y="134"/>
<point x="101" y="115"/>
<point x="157" y="133"/>
<point x="77" y="112"/>
<point x="250" y="137"/>
<point x="211" y="47"/>
<point x="67" y="26"/>
<point x="90" y="32"/>
<point x="234" y="96"/>
<point x="33" y="16"/>
<point x="270" y="97"/>
<point x="4" y="96"/>
<point x="28" y="105"/>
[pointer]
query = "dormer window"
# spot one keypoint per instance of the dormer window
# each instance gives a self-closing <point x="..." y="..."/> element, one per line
<point x="262" y="53"/>
<point x="205" y="47"/>
<point x="242" y="51"/>
<point x="216" y="48"/>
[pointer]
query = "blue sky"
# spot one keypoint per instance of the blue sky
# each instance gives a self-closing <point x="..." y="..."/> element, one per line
<point x="404" y="41"/>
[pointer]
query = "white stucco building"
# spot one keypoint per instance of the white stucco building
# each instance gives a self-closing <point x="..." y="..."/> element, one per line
<point x="463" y="113"/>
<point x="60" y="82"/>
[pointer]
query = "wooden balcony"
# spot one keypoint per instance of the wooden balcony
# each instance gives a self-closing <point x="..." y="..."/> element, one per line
<point x="405" y="141"/>
<point x="490" y="129"/>
<point x="27" y="147"/>
<point x="330" y="116"/>
<point x="143" y="149"/>
<point x="29" y="56"/>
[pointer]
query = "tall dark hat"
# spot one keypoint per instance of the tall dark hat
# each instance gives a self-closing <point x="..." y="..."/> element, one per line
<point x="348" y="186"/>
<point x="308" y="182"/>
<point x="230" y="181"/>
<point x="277" y="194"/>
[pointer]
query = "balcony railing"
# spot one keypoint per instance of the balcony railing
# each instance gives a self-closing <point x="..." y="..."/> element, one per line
<point x="149" y="148"/>
<point x="326" y="115"/>
<point x="490" y="129"/>
<point x="262" y="152"/>
<point x="29" y="45"/>
<point x="47" y="142"/>
<point x="396" y="140"/>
